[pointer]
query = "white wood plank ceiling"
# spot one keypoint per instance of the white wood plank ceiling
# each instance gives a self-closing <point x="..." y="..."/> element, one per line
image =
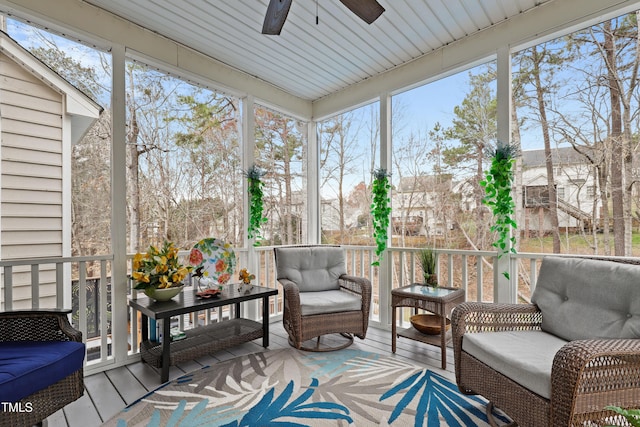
<point x="312" y="61"/>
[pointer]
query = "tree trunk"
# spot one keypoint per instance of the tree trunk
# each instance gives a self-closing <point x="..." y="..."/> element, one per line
<point x="627" y="112"/>
<point x="617" y="190"/>
<point x="551" y="187"/>
<point x="518" y="185"/>
<point x="479" y="195"/>
<point x="132" y="181"/>
<point x="287" y="183"/>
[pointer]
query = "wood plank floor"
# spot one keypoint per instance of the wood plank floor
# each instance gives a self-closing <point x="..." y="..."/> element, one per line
<point x="109" y="392"/>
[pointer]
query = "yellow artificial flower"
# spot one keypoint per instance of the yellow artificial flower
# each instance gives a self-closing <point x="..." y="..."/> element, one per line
<point x="158" y="268"/>
<point x="137" y="261"/>
<point x="141" y="276"/>
<point x="164" y="282"/>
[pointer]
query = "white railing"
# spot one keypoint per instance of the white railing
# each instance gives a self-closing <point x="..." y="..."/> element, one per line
<point x="47" y="283"/>
<point x="63" y="282"/>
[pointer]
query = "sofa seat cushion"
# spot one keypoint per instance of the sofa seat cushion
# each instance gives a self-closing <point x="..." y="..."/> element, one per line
<point x="328" y="302"/>
<point x="524" y="356"/>
<point x="27" y="366"/>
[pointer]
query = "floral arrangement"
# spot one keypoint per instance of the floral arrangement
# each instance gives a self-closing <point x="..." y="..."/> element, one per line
<point x="159" y="268"/>
<point x="246" y="277"/>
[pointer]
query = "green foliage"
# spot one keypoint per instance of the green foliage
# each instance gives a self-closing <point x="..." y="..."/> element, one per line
<point x="380" y="210"/>
<point x="254" y="178"/>
<point x="497" y="185"/>
<point x="427" y="259"/>
<point x="631" y="415"/>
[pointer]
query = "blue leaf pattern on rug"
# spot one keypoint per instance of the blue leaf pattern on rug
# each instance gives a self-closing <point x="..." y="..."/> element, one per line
<point x="288" y="387"/>
<point x="268" y="412"/>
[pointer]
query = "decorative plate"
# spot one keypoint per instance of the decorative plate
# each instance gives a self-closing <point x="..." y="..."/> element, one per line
<point x="216" y="258"/>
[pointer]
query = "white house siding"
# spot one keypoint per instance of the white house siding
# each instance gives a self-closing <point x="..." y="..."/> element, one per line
<point x="31" y="177"/>
<point x="573" y="178"/>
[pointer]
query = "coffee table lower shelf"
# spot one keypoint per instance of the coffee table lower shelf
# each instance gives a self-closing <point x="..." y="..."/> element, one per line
<point x="202" y="341"/>
<point x="413" y="334"/>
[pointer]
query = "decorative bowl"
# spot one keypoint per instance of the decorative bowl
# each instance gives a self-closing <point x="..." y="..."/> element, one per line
<point x="164" y="294"/>
<point x="429" y="324"/>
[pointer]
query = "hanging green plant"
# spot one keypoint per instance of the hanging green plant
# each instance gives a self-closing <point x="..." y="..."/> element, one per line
<point x="497" y="184"/>
<point x="254" y="178"/>
<point x="631" y="415"/>
<point x="380" y="210"/>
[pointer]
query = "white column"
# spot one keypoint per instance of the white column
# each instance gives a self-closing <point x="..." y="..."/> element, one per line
<point x="313" y="184"/>
<point x="249" y="309"/>
<point x="504" y="291"/>
<point x="118" y="206"/>
<point x="386" y="269"/>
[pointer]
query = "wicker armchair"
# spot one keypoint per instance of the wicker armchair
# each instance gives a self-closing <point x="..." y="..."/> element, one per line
<point x="36" y="327"/>
<point x="319" y="297"/>
<point x="586" y="374"/>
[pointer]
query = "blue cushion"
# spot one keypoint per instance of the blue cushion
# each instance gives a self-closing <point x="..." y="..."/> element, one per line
<point x="28" y="366"/>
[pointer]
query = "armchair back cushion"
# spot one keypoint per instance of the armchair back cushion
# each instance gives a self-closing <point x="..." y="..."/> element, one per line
<point x="312" y="269"/>
<point x="586" y="298"/>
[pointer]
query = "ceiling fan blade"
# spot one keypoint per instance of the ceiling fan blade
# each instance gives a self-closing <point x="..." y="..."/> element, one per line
<point x="367" y="10"/>
<point x="277" y="12"/>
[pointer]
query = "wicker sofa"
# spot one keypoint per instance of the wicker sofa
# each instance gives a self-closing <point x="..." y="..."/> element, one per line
<point x="41" y="365"/>
<point x="319" y="297"/>
<point x="562" y="359"/>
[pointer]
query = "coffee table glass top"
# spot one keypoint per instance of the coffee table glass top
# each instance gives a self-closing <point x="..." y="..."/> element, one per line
<point x="420" y="289"/>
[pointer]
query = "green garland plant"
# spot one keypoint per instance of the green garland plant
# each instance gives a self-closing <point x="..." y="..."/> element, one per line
<point x="497" y="184"/>
<point x="631" y="415"/>
<point x="380" y="210"/>
<point x="254" y="178"/>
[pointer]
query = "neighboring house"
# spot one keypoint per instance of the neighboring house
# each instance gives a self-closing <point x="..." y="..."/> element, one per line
<point x="356" y="210"/>
<point x="41" y="117"/>
<point x="422" y="205"/>
<point x="576" y="187"/>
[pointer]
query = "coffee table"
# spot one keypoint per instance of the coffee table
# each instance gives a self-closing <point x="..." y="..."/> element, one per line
<point x="439" y="300"/>
<point x="201" y="340"/>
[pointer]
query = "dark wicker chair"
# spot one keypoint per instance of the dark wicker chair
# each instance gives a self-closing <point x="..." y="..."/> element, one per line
<point x="295" y="266"/>
<point x="587" y="374"/>
<point x="41" y="325"/>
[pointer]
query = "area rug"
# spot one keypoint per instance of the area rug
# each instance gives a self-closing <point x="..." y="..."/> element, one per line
<point x="288" y="387"/>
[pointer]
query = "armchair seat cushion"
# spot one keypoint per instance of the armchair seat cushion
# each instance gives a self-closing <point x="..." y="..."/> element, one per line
<point x="524" y="356"/>
<point x="28" y="366"/>
<point x="324" y="302"/>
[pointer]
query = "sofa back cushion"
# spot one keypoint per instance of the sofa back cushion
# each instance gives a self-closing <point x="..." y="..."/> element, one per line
<point x="585" y="298"/>
<point x="312" y="268"/>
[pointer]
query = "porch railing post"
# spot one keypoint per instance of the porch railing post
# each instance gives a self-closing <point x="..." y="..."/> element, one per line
<point x="504" y="291"/>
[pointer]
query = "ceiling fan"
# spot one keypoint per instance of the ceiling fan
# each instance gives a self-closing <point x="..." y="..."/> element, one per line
<point x="277" y="11"/>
